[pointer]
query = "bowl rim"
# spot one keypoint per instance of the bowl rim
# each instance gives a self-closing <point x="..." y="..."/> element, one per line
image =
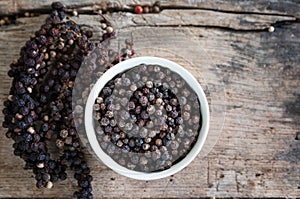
<point x="121" y="67"/>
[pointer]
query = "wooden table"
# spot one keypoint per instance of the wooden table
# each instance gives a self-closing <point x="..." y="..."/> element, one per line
<point x="229" y="46"/>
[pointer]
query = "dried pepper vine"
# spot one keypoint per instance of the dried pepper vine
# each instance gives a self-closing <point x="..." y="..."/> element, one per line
<point x="38" y="110"/>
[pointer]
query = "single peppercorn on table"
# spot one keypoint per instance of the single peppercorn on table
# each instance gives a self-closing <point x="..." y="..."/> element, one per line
<point x="253" y="50"/>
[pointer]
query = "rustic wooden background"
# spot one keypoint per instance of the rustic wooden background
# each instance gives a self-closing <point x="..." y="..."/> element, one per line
<point x="257" y="154"/>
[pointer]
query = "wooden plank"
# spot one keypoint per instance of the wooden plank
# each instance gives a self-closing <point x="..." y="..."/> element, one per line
<point x="256" y="154"/>
<point x="199" y="18"/>
<point x="175" y="18"/>
<point x="281" y="7"/>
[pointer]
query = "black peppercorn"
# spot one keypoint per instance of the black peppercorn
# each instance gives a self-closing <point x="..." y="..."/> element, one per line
<point x="44" y="96"/>
<point x="147" y="99"/>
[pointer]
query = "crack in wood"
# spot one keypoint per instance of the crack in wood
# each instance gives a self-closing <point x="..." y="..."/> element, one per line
<point x="276" y="24"/>
<point x="208" y="27"/>
<point x="207" y="179"/>
<point x="135" y="22"/>
<point x="164" y="194"/>
<point x="237" y="183"/>
<point x="225" y="11"/>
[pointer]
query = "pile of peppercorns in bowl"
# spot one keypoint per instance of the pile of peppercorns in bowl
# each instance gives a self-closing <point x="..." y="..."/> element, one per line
<point x="146" y="118"/>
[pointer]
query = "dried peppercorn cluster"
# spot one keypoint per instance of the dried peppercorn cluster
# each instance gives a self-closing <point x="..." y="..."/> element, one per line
<point x="148" y="118"/>
<point x="39" y="109"/>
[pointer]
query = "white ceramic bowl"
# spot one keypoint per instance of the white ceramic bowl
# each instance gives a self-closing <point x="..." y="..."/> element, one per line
<point x="121" y="67"/>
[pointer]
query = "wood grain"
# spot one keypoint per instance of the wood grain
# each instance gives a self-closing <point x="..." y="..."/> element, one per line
<point x="256" y="154"/>
<point x="280" y="7"/>
<point x="205" y="18"/>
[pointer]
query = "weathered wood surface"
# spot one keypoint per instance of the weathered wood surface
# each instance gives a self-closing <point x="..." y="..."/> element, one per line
<point x="257" y="154"/>
<point x="283" y="7"/>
